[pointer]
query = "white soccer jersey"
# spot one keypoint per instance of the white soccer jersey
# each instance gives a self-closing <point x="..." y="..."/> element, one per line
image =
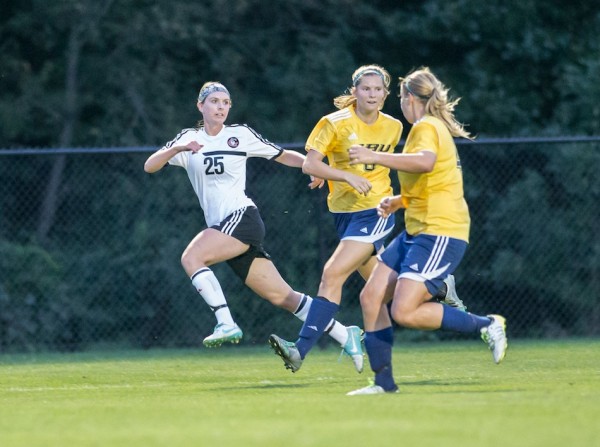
<point x="218" y="170"/>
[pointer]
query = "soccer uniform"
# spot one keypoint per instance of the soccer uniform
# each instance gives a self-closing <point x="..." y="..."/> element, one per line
<point x="218" y="175"/>
<point x="434" y="201"/>
<point x="437" y="216"/>
<point x="332" y="136"/>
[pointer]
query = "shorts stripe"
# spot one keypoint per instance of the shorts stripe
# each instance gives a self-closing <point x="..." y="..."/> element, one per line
<point x="230" y="226"/>
<point x="380" y="225"/>
<point x="441" y="242"/>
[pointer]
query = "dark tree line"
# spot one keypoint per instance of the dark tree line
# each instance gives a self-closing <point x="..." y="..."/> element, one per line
<point x="101" y="73"/>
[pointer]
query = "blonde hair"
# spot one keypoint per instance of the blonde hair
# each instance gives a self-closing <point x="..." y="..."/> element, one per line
<point x="427" y="88"/>
<point x="348" y="98"/>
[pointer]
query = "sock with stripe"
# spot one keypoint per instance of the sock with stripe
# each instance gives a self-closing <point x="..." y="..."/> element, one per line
<point x="207" y="285"/>
<point x="318" y="318"/>
<point x="335" y="329"/>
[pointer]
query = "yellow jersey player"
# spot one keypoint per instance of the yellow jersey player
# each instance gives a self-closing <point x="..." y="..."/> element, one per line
<point x="412" y="269"/>
<point x="355" y="191"/>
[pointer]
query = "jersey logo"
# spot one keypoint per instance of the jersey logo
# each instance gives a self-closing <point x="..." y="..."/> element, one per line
<point x="233" y="142"/>
<point x="415" y="267"/>
<point x="352" y="137"/>
<point x="364" y="230"/>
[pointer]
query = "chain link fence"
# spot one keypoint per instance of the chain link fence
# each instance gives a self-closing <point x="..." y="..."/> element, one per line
<point x="90" y="246"/>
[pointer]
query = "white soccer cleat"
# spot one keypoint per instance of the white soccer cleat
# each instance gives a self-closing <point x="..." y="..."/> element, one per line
<point x="371" y="389"/>
<point x="495" y="336"/>
<point x="451" y="298"/>
<point x="223" y="333"/>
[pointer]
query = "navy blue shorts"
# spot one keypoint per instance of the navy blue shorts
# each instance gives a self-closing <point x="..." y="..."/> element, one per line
<point x="364" y="226"/>
<point x="424" y="258"/>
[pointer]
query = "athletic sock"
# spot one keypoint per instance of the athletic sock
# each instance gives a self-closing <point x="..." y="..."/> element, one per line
<point x="459" y="321"/>
<point x="207" y="285"/>
<point x="319" y="316"/>
<point x="335" y="329"/>
<point x="303" y="307"/>
<point x="379" y="348"/>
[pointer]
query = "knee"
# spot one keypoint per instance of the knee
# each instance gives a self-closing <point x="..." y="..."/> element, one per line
<point x="402" y="316"/>
<point x="367" y="301"/>
<point x="191" y="261"/>
<point x="332" y="275"/>
<point x="186" y="259"/>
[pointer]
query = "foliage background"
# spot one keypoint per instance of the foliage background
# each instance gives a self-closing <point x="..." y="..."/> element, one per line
<point x="90" y="245"/>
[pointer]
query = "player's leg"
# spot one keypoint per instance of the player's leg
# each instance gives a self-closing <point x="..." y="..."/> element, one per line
<point x="359" y="232"/>
<point x="346" y="259"/>
<point x="266" y="281"/>
<point x="349" y="256"/>
<point x="379" y="334"/>
<point x="343" y="262"/>
<point x="208" y="248"/>
<point x="223" y="241"/>
<point x="430" y="259"/>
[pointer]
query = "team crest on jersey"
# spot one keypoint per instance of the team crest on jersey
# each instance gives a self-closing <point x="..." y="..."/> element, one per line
<point x="233" y="142"/>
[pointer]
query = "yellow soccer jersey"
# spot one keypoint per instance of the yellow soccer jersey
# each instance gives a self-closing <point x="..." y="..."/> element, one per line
<point x="434" y="201"/>
<point x="334" y="134"/>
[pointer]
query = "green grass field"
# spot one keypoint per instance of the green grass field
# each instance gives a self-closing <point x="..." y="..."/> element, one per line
<point x="544" y="394"/>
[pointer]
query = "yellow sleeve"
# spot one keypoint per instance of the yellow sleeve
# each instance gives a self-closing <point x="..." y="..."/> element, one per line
<point x="322" y="137"/>
<point x="424" y="137"/>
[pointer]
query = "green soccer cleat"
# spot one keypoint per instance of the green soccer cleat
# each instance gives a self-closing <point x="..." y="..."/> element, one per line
<point x="287" y="351"/>
<point x="223" y="333"/>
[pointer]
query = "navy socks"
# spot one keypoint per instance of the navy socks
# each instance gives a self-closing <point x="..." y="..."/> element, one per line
<point x="379" y="347"/>
<point x="320" y="314"/>
<point x="459" y="321"/>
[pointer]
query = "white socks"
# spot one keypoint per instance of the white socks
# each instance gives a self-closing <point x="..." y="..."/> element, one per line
<point x="207" y="285"/>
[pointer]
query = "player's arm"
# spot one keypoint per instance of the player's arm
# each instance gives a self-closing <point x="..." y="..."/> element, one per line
<point x="296" y="160"/>
<point x="160" y="158"/>
<point x="291" y="158"/>
<point x="314" y="165"/>
<point x="419" y="162"/>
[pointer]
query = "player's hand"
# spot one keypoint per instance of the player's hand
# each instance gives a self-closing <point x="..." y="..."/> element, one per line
<point x="361" y="155"/>
<point x="193" y="146"/>
<point x="316" y="182"/>
<point x="361" y="184"/>
<point x="389" y="205"/>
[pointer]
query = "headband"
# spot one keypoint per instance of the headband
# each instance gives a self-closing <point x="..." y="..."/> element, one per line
<point x="409" y="90"/>
<point x="360" y="74"/>
<point x="211" y="88"/>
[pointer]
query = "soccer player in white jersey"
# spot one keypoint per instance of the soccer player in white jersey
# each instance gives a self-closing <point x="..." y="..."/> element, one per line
<point x="214" y="155"/>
